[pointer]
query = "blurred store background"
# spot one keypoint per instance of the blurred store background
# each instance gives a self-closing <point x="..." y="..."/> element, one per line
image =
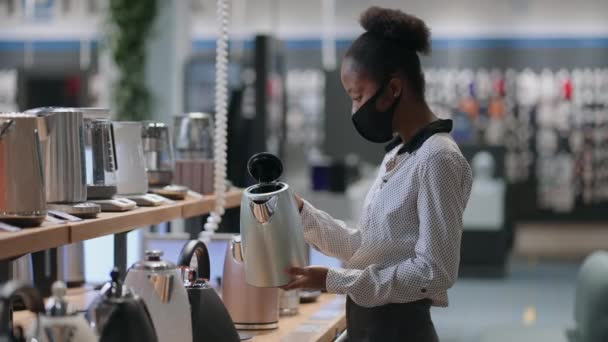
<point x="525" y="81"/>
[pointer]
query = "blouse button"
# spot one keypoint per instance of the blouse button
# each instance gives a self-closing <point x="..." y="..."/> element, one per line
<point x="423" y="290"/>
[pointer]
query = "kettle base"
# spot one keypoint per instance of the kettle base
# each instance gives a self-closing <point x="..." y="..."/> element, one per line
<point x="256" y="326"/>
<point x="23" y="221"/>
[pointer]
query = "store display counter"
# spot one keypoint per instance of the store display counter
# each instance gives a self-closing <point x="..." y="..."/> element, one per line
<point x="51" y="235"/>
<point x="321" y="321"/>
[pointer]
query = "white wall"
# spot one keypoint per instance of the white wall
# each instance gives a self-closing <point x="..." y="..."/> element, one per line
<point x="302" y="18"/>
<point x="468" y="18"/>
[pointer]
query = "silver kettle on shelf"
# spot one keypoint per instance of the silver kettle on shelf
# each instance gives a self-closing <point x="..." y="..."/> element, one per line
<point x="158" y="283"/>
<point x="21" y="168"/>
<point x="271" y="226"/>
<point x="63" y="156"/>
<point x="100" y="155"/>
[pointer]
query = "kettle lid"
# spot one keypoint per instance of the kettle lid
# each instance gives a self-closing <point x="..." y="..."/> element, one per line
<point x="153" y="262"/>
<point x="265" y="167"/>
<point x="57" y="305"/>
<point x="42" y="111"/>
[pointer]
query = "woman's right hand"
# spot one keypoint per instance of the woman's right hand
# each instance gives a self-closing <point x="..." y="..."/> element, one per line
<point x="299" y="201"/>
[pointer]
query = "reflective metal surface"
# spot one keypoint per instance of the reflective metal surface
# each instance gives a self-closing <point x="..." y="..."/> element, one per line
<point x="59" y="323"/>
<point x="131" y="175"/>
<point x="263" y="210"/>
<point x="20" y="169"/>
<point x="63" y="154"/>
<point x="70" y="264"/>
<point x="153" y="262"/>
<point x="194" y="136"/>
<point x="157" y="282"/>
<point x="272" y="235"/>
<point x="251" y="308"/>
<point x="163" y="286"/>
<point x="158" y="150"/>
<point x="101" y="163"/>
<point x="22" y="270"/>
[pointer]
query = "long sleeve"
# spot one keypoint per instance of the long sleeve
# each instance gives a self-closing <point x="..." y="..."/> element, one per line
<point x="328" y="235"/>
<point x="444" y="187"/>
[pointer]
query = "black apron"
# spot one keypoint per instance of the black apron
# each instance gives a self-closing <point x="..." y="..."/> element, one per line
<point x="407" y="322"/>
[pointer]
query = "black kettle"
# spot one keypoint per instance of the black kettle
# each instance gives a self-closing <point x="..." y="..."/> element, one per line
<point x="28" y="295"/>
<point x="119" y="315"/>
<point x="210" y="319"/>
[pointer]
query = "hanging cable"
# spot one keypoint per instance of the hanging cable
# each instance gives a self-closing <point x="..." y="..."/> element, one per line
<point x="221" y="117"/>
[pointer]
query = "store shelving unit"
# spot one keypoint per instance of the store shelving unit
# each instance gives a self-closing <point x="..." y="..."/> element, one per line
<point x="320" y="321"/>
<point x="52" y="235"/>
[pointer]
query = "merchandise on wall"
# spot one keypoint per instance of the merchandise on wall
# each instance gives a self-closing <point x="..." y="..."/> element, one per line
<point x="551" y="124"/>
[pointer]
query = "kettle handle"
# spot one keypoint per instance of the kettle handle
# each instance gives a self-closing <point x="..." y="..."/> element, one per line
<point x="30" y="296"/>
<point x="199" y="249"/>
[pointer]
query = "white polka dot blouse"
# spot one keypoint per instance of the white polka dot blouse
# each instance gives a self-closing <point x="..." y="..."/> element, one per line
<point x="406" y="245"/>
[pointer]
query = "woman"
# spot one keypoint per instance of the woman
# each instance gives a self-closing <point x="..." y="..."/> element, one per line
<point x="404" y="254"/>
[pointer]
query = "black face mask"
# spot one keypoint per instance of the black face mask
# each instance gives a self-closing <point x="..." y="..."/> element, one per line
<point x="372" y="124"/>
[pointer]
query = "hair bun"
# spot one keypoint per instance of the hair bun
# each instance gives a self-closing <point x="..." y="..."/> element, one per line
<point x="398" y="26"/>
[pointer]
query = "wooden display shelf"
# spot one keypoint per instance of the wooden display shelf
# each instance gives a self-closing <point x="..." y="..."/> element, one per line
<point x="28" y="240"/>
<point x="321" y="321"/>
<point x="197" y="205"/>
<point x="113" y="223"/>
<point x="54" y="235"/>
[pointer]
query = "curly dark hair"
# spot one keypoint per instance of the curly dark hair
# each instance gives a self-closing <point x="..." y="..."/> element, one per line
<point x="391" y="42"/>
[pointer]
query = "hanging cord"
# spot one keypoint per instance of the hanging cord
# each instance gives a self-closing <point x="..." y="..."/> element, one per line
<point x="221" y="118"/>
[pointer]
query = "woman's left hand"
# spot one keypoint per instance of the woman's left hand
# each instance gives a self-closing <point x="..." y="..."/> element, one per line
<point x="311" y="277"/>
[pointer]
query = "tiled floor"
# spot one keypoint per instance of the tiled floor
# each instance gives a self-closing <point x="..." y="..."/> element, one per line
<point x="534" y="296"/>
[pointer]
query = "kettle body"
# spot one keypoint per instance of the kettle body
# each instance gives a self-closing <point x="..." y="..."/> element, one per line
<point x="210" y="319"/>
<point x="118" y="315"/>
<point x="131" y="176"/>
<point x="21" y="168"/>
<point x="158" y="283"/>
<point x="271" y="225"/>
<point x="101" y="163"/>
<point x="59" y="324"/>
<point x="63" y="154"/>
<point x="251" y="308"/>
<point x="271" y="229"/>
<point x="70" y="328"/>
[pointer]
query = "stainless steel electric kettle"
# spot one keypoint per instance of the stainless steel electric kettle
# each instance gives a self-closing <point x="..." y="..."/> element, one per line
<point x="251" y="308"/>
<point x="158" y="283"/>
<point x="158" y="151"/>
<point x="63" y="157"/>
<point x="271" y="226"/>
<point x="100" y="155"/>
<point x="22" y="193"/>
<point x="63" y="154"/>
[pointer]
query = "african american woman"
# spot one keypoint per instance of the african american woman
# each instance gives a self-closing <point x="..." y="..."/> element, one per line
<point x="404" y="254"/>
